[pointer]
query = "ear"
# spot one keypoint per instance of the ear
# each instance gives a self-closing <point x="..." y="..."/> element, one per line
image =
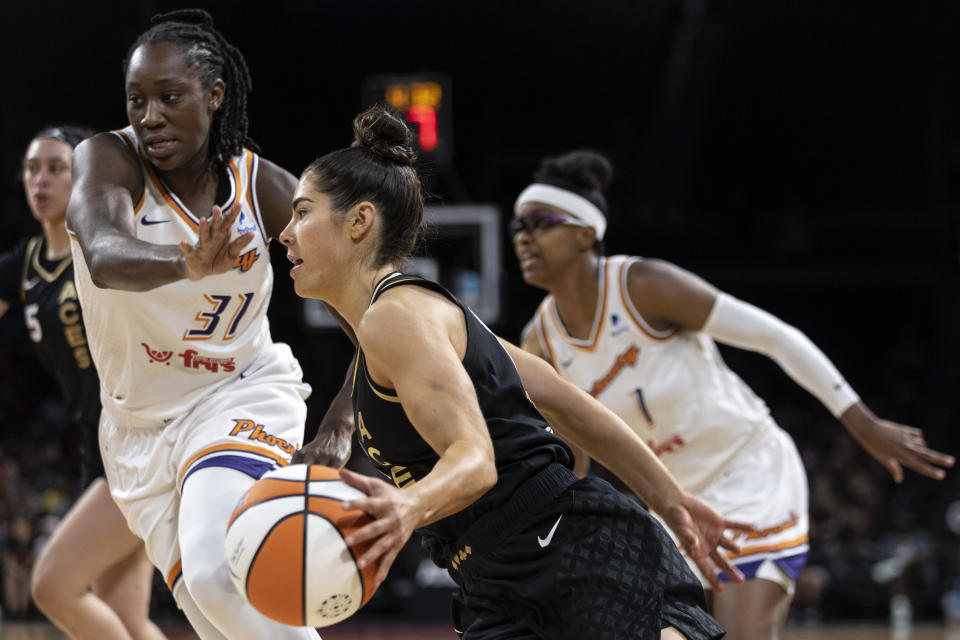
<point x="586" y="236"/>
<point x="361" y="218"/>
<point x="217" y="91"/>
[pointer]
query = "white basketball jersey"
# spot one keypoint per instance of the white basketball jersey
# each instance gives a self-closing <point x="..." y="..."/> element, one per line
<point x="158" y="352"/>
<point x="671" y="387"/>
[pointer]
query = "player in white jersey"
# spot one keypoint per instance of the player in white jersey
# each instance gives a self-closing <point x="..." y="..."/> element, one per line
<point x="638" y="335"/>
<point x="171" y="218"/>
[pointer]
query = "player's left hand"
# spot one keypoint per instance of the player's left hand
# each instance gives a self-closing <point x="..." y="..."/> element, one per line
<point x="331" y="446"/>
<point x="394" y="515"/>
<point x="894" y="444"/>
<point x="702" y="532"/>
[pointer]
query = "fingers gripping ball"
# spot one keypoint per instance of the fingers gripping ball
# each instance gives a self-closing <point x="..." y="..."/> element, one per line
<point x="286" y="550"/>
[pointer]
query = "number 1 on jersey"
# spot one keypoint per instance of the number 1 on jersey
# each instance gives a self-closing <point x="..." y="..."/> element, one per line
<point x="638" y="392"/>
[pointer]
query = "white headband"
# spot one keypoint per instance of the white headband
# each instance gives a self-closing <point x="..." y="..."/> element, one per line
<point x="576" y="205"/>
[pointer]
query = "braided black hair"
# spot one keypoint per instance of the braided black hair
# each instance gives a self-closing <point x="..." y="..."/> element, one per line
<point x="205" y="48"/>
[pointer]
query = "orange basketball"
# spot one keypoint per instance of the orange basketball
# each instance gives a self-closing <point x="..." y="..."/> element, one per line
<point x="286" y="550"/>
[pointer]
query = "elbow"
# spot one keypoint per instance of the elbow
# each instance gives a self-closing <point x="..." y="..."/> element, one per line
<point x="488" y="476"/>
<point x="98" y="274"/>
<point x="484" y="474"/>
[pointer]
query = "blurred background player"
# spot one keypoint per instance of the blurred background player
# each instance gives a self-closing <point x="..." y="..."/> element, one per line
<point x="92" y="578"/>
<point x="172" y="217"/>
<point x="638" y="335"/>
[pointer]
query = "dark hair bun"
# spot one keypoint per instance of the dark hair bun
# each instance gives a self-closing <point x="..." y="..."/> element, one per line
<point x="587" y="170"/>
<point x="385" y="134"/>
<point x="187" y="16"/>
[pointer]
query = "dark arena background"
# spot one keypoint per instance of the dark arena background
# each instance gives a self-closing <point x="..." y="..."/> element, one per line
<point x="803" y="156"/>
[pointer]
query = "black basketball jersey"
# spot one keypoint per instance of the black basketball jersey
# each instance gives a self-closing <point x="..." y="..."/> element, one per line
<point x="54" y="322"/>
<point x="522" y="440"/>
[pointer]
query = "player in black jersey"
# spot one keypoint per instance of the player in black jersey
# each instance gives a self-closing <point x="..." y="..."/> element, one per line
<point x="92" y="547"/>
<point x="442" y="409"/>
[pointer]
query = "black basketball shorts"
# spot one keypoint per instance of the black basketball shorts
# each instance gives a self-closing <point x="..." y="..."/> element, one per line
<point x="581" y="562"/>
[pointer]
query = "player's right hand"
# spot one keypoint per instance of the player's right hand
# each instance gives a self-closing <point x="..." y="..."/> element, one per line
<point x="214" y="252"/>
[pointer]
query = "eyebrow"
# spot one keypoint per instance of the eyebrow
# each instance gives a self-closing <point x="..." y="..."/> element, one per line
<point x="299" y="200"/>
<point x="172" y="80"/>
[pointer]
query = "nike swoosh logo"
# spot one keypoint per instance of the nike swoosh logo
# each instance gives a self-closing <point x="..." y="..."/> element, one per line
<point x="249" y="372"/>
<point x="146" y="222"/>
<point x="544" y="542"/>
<point x="31" y="283"/>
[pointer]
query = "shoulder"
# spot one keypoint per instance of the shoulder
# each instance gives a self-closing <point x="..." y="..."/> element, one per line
<point x="404" y="316"/>
<point x="272" y="179"/>
<point x="667" y="295"/>
<point x="275" y="187"/>
<point x="106" y="157"/>
<point x="530" y="337"/>
<point x="652" y="276"/>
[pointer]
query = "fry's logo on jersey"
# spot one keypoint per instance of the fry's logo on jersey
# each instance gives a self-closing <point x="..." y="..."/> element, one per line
<point x="255" y="432"/>
<point x="246" y="260"/>
<point x="193" y="360"/>
<point x="627" y="358"/>
<point x="157" y="356"/>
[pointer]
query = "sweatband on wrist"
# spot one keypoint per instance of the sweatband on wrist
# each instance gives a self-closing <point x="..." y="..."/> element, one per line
<point x="574" y="204"/>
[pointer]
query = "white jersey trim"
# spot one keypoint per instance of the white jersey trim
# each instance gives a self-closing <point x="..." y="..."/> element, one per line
<point x="636" y="316"/>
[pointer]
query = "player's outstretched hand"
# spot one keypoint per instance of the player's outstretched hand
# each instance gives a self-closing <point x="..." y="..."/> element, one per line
<point x="214" y="252"/>
<point x="703" y="534"/>
<point x="894" y="444"/>
<point x="393" y="516"/>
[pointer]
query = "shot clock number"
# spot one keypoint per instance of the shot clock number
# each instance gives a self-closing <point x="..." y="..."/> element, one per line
<point x="423" y="99"/>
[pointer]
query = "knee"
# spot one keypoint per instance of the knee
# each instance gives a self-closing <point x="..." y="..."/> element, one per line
<point x="209" y="584"/>
<point x="46" y="587"/>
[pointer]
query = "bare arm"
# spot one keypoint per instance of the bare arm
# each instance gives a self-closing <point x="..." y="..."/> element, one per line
<point x="331" y="446"/>
<point x="275" y="188"/>
<point x="413" y="342"/>
<point x="106" y="178"/>
<point x="530" y="342"/>
<point x="581" y="419"/>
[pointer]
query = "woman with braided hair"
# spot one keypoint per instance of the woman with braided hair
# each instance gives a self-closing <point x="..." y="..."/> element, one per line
<point x="171" y="217"/>
<point x="92" y="578"/>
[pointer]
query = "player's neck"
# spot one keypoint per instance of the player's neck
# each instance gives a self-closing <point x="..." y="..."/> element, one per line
<point x="577" y="295"/>
<point x="353" y="300"/>
<point x="56" y="239"/>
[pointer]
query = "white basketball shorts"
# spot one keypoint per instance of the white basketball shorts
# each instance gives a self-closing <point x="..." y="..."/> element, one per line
<point x="765" y="485"/>
<point x="251" y="424"/>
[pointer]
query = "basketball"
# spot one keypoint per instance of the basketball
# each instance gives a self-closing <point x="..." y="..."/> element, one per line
<point x="286" y="551"/>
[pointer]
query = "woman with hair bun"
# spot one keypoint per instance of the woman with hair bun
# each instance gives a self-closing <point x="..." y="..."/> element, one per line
<point x="445" y="411"/>
<point x="92" y="579"/>
<point x="638" y="334"/>
<point x="172" y="217"/>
